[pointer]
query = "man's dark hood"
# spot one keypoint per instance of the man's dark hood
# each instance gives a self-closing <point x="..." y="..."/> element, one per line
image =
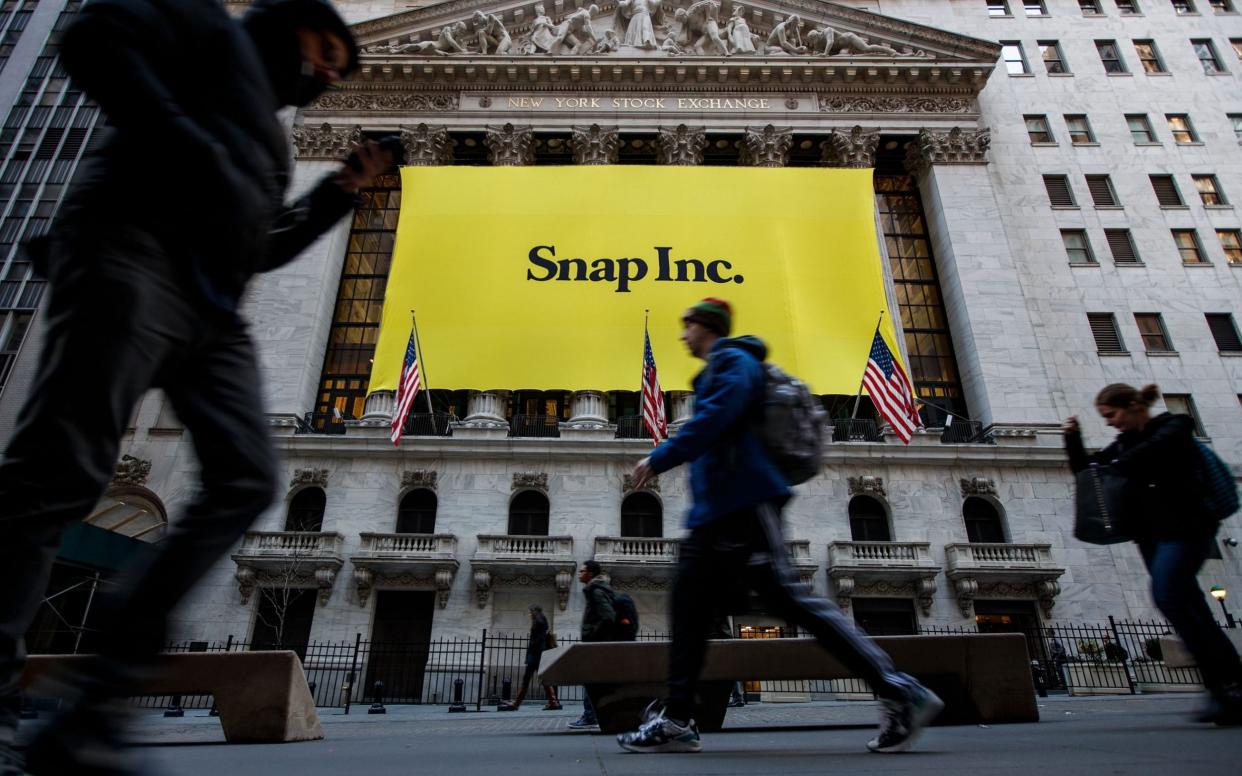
<point x="273" y="25"/>
<point x="750" y="344"/>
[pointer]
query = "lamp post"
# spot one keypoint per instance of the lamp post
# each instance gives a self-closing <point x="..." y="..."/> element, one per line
<point x="1219" y="594"/>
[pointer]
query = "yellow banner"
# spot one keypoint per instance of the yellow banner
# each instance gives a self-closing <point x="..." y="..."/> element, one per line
<point x="538" y="277"/>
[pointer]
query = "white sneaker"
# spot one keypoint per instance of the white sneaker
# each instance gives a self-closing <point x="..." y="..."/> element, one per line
<point x="901" y="723"/>
<point x="661" y="734"/>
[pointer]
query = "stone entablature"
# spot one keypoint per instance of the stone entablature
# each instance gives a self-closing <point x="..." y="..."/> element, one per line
<point x="990" y="570"/>
<point x="882" y="568"/>
<point x="405" y="561"/>
<point x="523" y="561"/>
<point x="292" y="559"/>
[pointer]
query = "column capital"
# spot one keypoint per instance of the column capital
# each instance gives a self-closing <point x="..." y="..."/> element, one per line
<point x="427" y="146"/>
<point x="682" y="145"/>
<point x="956" y="146"/>
<point x="855" y="148"/>
<point x="595" y="144"/>
<point x="767" y="147"/>
<point x="510" y="146"/>
<point x="325" y="141"/>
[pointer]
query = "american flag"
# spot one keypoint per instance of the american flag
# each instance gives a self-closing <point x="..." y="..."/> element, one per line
<point x="890" y="390"/>
<point x="411" y="381"/>
<point x="652" y="409"/>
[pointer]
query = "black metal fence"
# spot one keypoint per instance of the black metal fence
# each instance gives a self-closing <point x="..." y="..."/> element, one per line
<point x="539" y="426"/>
<point x="1116" y="657"/>
<point x="855" y="430"/>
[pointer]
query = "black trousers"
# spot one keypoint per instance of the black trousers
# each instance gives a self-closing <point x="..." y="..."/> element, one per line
<point x="748" y="545"/>
<point x="119" y="321"/>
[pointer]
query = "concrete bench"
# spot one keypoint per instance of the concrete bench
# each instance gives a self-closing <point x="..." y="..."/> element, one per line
<point x="983" y="678"/>
<point x="262" y="697"/>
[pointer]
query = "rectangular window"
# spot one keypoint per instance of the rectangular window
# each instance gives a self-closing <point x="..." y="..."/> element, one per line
<point x="1166" y="191"/>
<point x="1183" y="131"/>
<point x="1181" y="7"/>
<point x="1140" y="129"/>
<point x="1121" y="245"/>
<point x="1090" y="7"/>
<point x="1182" y="404"/>
<point x="1231" y="244"/>
<point x="1106" y="334"/>
<point x="1235" y="119"/>
<point x="1079" y="129"/>
<point x="1037" y="129"/>
<point x="1034" y="7"/>
<point x="1205" y="50"/>
<point x="1237" y="47"/>
<point x="1209" y="190"/>
<point x="1187" y="241"/>
<point x="1221" y="6"/>
<point x="1054" y="60"/>
<point x="1110" y="56"/>
<point x="1224" y="331"/>
<point x="1059" y="194"/>
<point x="1015" y="60"/>
<point x="1077" y="247"/>
<point x="1128" y="7"/>
<point x="1155" y="336"/>
<point x="1102" y="192"/>
<point x="1149" y="56"/>
<point x="998" y="7"/>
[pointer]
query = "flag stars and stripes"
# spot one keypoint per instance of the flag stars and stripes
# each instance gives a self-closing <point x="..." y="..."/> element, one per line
<point x="890" y="390"/>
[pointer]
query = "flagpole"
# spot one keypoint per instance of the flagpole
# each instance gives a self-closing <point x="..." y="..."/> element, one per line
<point x="418" y="347"/>
<point x="858" y="398"/>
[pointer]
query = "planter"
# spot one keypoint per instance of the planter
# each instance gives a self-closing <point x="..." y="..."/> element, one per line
<point x="1158" y="677"/>
<point x="1097" y="679"/>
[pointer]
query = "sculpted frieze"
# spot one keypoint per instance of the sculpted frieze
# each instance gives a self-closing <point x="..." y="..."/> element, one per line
<point x="838" y="104"/>
<point x="384" y="101"/>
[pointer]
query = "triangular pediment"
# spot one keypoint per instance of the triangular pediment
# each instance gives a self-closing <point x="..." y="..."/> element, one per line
<point x="518" y="33"/>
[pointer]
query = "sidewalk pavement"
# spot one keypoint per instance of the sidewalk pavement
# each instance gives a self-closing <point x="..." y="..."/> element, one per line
<point x="1095" y="736"/>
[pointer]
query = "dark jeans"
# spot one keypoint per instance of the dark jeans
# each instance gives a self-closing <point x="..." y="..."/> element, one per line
<point x="1174" y="567"/>
<point x="748" y="545"/>
<point x="118" y="323"/>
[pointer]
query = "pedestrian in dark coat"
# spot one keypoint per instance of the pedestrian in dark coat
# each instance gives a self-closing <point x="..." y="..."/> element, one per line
<point x="1169" y="520"/>
<point x="536" y="643"/>
<point x="599" y="623"/>
<point x="145" y="285"/>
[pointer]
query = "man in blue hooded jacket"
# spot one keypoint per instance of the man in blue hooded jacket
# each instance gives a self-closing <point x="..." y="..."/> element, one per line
<point x="735" y="532"/>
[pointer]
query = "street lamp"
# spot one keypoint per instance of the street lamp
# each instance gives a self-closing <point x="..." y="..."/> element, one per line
<point x="1219" y="594"/>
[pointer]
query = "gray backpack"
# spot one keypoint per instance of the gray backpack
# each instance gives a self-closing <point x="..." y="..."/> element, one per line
<point x="791" y="425"/>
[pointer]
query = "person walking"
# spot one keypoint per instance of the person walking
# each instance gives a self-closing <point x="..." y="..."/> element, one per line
<point x="1170" y="522"/>
<point x="535" y="645"/>
<point x="599" y="623"/>
<point x="735" y="531"/>
<point x="145" y="292"/>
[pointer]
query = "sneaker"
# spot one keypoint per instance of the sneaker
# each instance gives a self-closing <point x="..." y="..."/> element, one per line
<point x="902" y="722"/>
<point x="552" y="707"/>
<point x="661" y="734"/>
<point x="584" y="723"/>
<point x="506" y="706"/>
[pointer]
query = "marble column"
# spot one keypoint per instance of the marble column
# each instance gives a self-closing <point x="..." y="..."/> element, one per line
<point x="427" y="146"/>
<point x="379" y="408"/>
<point x="510" y="146"/>
<point x="855" y="148"/>
<point x="767" y="147"/>
<point x="681" y="145"/>
<point x="486" y="410"/>
<point x="595" y="145"/>
<point x="589" y="410"/>
<point x="998" y="354"/>
<point x="681" y="406"/>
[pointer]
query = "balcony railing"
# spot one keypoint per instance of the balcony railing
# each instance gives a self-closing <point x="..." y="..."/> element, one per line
<point x="321" y="423"/>
<point x="630" y="549"/>
<point x="404" y="545"/>
<point x="856" y="430"/>
<point x="430" y="424"/>
<point x="997" y="556"/>
<point x="632" y="427"/>
<point x="964" y="432"/>
<point x="506" y="547"/>
<point x="880" y="554"/>
<point x="291" y="544"/>
<point x="540" y="426"/>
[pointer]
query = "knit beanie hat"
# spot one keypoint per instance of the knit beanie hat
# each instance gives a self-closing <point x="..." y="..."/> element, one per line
<point x="711" y="313"/>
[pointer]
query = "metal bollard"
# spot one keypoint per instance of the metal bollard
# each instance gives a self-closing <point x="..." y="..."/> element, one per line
<point x="174" y="708"/>
<point x="458" y="704"/>
<point x="378" y="706"/>
<point x="506" y="690"/>
<point x="1041" y="680"/>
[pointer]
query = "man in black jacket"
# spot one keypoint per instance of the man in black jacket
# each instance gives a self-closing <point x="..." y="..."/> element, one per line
<point x="144" y="292"/>
<point x="599" y="623"/>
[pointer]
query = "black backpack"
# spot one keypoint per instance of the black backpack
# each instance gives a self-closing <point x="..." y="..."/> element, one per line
<point x="626" y="626"/>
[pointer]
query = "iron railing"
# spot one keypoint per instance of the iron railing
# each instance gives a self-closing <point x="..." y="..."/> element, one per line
<point x="963" y="432"/>
<point x="856" y="430"/>
<point x="542" y="426"/>
<point x="631" y="427"/>
<point x="430" y="424"/>
<point x="321" y="423"/>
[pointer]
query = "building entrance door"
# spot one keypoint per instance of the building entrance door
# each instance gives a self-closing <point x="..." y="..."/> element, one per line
<point x="400" y="641"/>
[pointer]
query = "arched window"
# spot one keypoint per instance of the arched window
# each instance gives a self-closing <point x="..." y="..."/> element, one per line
<point x="306" y="510"/>
<point x="642" y="516"/>
<point x="868" y="520"/>
<point x="417" y="513"/>
<point x="528" y="514"/>
<point x="983" y="521"/>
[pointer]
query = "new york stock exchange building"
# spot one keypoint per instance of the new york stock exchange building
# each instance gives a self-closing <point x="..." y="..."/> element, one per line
<point x="1049" y="187"/>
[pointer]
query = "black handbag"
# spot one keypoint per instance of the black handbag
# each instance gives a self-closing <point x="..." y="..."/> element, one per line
<point x="1099" y="506"/>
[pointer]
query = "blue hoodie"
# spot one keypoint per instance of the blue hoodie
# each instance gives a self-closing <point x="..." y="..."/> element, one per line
<point x="730" y="469"/>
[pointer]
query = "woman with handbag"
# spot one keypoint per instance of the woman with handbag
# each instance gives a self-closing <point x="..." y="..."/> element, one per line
<point x="1166" y="516"/>
<point x="541" y="638"/>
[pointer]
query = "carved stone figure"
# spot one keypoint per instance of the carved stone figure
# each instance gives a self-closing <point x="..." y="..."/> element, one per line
<point x="542" y="31"/>
<point x="738" y="36"/>
<point x="608" y="43"/>
<point x="446" y="42"/>
<point x="490" y="34"/>
<point x="636" y="21"/>
<point x="826" y="42"/>
<point x="787" y="36"/>
<point x="576" y="35"/>
<point x="699" y="30"/>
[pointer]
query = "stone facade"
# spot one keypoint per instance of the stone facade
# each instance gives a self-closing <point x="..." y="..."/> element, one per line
<point x="1016" y="307"/>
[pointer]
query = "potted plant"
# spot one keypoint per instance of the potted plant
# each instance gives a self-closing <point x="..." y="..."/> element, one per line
<point x="1092" y="676"/>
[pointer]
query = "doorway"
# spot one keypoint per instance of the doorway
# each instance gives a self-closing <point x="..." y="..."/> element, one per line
<point x="400" y="643"/>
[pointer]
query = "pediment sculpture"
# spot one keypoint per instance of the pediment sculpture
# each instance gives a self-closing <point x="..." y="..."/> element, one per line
<point x="644" y="28"/>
